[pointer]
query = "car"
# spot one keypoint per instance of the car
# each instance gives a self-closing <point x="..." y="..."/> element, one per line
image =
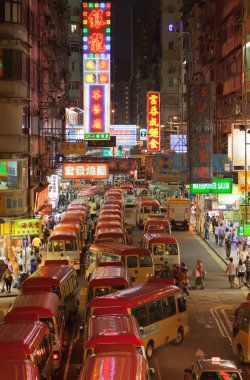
<point x="212" y="369"/>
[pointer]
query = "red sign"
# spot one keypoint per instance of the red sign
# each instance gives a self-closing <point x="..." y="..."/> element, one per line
<point x="153" y="119"/>
<point x="85" y="171"/>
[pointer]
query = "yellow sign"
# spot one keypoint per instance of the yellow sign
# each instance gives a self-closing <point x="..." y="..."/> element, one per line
<point x="13" y="203"/>
<point x="241" y="180"/>
<point x="73" y="148"/>
<point x="5" y="228"/>
<point x="27" y="227"/>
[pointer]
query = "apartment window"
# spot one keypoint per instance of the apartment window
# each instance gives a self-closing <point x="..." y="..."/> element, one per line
<point x="13" y="64"/>
<point x="10" y="11"/>
<point x="73" y="28"/>
<point x="74" y="47"/>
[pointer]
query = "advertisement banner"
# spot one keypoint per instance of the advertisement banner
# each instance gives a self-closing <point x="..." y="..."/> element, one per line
<point x="242" y="181"/>
<point x="241" y="139"/>
<point x="199" y="133"/>
<point x="153" y="121"/>
<point x="96" y="70"/>
<point x="54" y="187"/>
<point x="13" y="203"/>
<point x="27" y="227"/>
<point x="41" y="198"/>
<point x="85" y="171"/>
<point x="125" y="134"/>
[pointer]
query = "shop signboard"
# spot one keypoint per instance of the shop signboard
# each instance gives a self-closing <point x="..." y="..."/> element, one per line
<point x="96" y="69"/>
<point x="238" y="149"/>
<point x="27" y="227"/>
<point x="217" y="186"/>
<point x="242" y="180"/>
<point x="92" y="171"/>
<point x="41" y="198"/>
<point x="54" y="187"/>
<point x="240" y="231"/>
<point x="143" y="134"/>
<point x="200" y="128"/>
<point x="13" y="203"/>
<point x="73" y="148"/>
<point x="246" y="229"/>
<point x="125" y="134"/>
<point x="5" y="228"/>
<point x="153" y="121"/>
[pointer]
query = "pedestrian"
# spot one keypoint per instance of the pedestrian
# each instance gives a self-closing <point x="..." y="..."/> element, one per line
<point x="243" y="254"/>
<point x="221" y="234"/>
<point x="199" y="273"/>
<point x="206" y="229"/>
<point x="10" y="265"/>
<point x="177" y="274"/>
<point x="184" y="285"/>
<point x="239" y="245"/>
<point x="165" y="271"/>
<point x="247" y="264"/>
<point x="36" y="242"/>
<point x="228" y="244"/>
<point x="33" y="266"/>
<point x="216" y="228"/>
<point x="7" y="277"/>
<point x="20" y="260"/>
<point x="241" y="271"/>
<point x="15" y="274"/>
<point x="231" y="271"/>
<point x="213" y="221"/>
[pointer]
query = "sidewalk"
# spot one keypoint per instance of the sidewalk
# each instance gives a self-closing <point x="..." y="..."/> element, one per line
<point x="14" y="292"/>
<point x="221" y="251"/>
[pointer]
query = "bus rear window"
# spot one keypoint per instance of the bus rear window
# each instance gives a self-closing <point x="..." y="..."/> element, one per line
<point x="58" y="246"/>
<point x="145" y="260"/>
<point x="56" y="290"/>
<point x="70" y="245"/>
<point x="172" y="249"/>
<point x="219" y="375"/>
<point x="155" y="210"/>
<point x="132" y="262"/>
<point x="181" y="304"/>
<point x="99" y="292"/>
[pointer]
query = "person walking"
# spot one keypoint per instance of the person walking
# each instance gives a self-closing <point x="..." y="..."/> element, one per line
<point x="221" y="234"/>
<point x="241" y="271"/>
<point x="10" y="265"/>
<point x="243" y="254"/>
<point x="216" y="228"/>
<point x="7" y="277"/>
<point x="231" y="271"/>
<point x="206" y="229"/>
<point x="165" y="271"/>
<point x="239" y="246"/>
<point x="228" y="245"/>
<point x="247" y="264"/>
<point x="199" y="273"/>
<point x="33" y="266"/>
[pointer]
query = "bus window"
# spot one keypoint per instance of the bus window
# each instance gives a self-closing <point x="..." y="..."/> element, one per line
<point x="155" y="210"/>
<point x="158" y="249"/>
<point x="99" y="292"/>
<point x="245" y="322"/>
<point x="181" y="304"/>
<point x="155" y="311"/>
<point x="146" y="210"/>
<point x="50" y="246"/>
<point x="49" y="322"/>
<point x="70" y="245"/>
<point x="132" y="262"/>
<point x="172" y="249"/>
<point x="168" y="305"/>
<point x="114" y="258"/>
<point x="145" y="261"/>
<point x="141" y="315"/>
<point x="57" y="246"/>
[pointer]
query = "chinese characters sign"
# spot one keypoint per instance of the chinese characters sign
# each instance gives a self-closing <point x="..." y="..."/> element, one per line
<point x="73" y="148"/>
<point x="200" y="134"/>
<point x="27" y="227"/>
<point x="13" y="203"/>
<point x="96" y="69"/>
<point x="153" y="119"/>
<point x="85" y="171"/>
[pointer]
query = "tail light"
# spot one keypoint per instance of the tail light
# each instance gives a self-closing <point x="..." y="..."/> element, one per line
<point x="56" y="355"/>
<point x="76" y="261"/>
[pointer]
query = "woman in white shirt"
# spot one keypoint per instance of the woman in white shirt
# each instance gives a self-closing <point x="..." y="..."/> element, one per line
<point x="241" y="271"/>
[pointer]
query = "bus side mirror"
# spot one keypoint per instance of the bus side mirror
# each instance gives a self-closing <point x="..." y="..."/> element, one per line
<point x="141" y="329"/>
<point x="151" y="372"/>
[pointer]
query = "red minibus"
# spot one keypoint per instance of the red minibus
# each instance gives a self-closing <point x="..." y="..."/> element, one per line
<point x="116" y="363"/>
<point x="112" y="329"/>
<point x="48" y="308"/>
<point x="108" y="225"/>
<point x="146" y="208"/>
<point x="109" y="218"/>
<point x="31" y="337"/>
<point x="153" y="224"/>
<point x="15" y="366"/>
<point x="62" y="279"/>
<point x="158" y="306"/>
<point x="108" y="279"/>
<point x="116" y="234"/>
<point x="163" y="248"/>
<point x="110" y="211"/>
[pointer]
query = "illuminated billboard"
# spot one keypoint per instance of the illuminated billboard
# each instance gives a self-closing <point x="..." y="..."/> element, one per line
<point x="85" y="171"/>
<point x="125" y="134"/>
<point x="153" y="121"/>
<point x="96" y="70"/>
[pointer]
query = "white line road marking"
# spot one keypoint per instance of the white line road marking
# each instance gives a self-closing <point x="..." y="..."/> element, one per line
<point x="223" y="330"/>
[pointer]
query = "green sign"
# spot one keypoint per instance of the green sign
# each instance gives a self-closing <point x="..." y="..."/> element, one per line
<point x="246" y="229"/>
<point x="240" y="231"/>
<point x="96" y="136"/>
<point x="218" y="186"/>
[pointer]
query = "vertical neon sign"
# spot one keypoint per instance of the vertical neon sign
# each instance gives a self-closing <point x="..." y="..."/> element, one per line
<point x="96" y="70"/>
<point x="153" y="119"/>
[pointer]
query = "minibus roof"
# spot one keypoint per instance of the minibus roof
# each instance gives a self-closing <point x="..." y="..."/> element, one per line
<point x="109" y="276"/>
<point x="22" y="335"/>
<point x="148" y="202"/>
<point x="137" y="295"/>
<point x="127" y="186"/>
<point x="110" y="311"/>
<point x="44" y="304"/>
<point x="159" y="238"/>
<point x="67" y="227"/>
<point x="110" y="230"/>
<point x="61" y="234"/>
<point x="109" y="217"/>
<point x="122" y="249"/>
<point x="108" y="224"/>
<point x="79" y="202"/>
<point x="112" y="329"/>
<point x="110" y="211"/>
<point x="15" y="366"/>
<point x="49" y="275"/>
<point x="156" y="222"/>
<point x="115" y="366"/>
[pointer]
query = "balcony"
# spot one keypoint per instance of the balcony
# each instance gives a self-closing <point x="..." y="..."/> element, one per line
<point x="231" y="44"/>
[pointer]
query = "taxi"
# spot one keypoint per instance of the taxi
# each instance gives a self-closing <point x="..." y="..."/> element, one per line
<point x="212" y="369"/>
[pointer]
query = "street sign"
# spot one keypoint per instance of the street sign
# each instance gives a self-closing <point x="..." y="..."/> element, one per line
<point x="218" y="186"/>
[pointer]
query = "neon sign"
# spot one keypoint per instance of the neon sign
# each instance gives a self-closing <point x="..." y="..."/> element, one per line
<point x="153" y="119"/>
<point x="96" y="70"/>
